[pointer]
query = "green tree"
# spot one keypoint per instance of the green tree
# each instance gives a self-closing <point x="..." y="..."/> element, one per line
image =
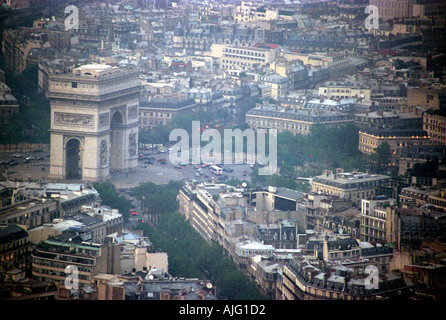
<point x="381" y="156"/>
<point x="159" y="134"/>
<point x="113" y="199"/>
<point x="191" y="256"/>
<point x="427" y="169"/>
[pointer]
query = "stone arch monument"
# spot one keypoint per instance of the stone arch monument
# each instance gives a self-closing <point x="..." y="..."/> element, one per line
<point x="94" y="122"/>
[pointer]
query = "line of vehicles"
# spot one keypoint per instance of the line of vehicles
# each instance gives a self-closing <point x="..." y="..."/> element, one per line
<point x="27" y="159"/>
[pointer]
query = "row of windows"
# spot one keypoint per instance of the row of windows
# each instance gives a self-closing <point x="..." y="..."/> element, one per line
<point x="29" y="217"/>
<point x="391" y="4"/>
<point x="337" y="90"/>
<point x="242" y="58"/>
<point x="58" y="265"/>
<point x="152" y="122"/>
<point x="156" y="114"/>
<point x="374" y="224"/>
<point x="58" y="273"/>
<point x="358" y="195"/>
<point x="14" y="244"/>
<point x="279" y="124"/>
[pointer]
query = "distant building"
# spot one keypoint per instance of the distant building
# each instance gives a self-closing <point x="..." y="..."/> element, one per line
<point x="408" y="227"/>
<point x="310" y="280"/>
<point x="8" y="104"/>
<point x="411" y="156"/>
<point x="15" y="249"/>
<point x="30" y="213"/>
<point x="373" y="220"/>
<point x="370" y="139"/>
<point x="429" y="8"/>
<point x="434" y="123"/>
<point x="51" y="258"/>
<point x="393" y="9"/>
<point x="20" y="44"/>
<point x="161" y="111"/>
<point x="332" y="91"/>
<point x="152" y="285"/>
<point x="235" y="59"/>
<point x="281" y="236"/>
<point x="349" y="185"/>
<point x="278" y="84"/>
<point x="427" y="97"/>
<point x="297" y="121"/>
<point x="341" y="249"/>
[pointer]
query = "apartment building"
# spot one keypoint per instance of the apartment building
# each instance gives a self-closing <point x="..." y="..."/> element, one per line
<point x="265" y="272"/>
<point x="389" y="103"/>
<point x="161" y="111"/>
<point x="349" y="185"/>
<point x="297" y="121"/>
<point x="281" y="236"/>
<point x="212" y="208"/>
<point x="251" y="11"/>
<point x="69" y="199"/>
<point x="429" y="8"/>
<point x="296" y="74"/>
<point x="305" y="279"/>
<point x="341" y="249"/>
<point x="397" y="139"/>
<point x="30" y="213"/>
<point x="92" y="226"/>
<point x="434" y="123"/>
<point x="18" y="45"/>
<point x="278" y="84"/>
<point x="411" y="156"/>
<point x="235" y="59"/>
<point x="8" y="104"/>
<point x="334" y="91"/>
<point x="330" y="214"/>
<point x="15" y="248"/>
<point x="391" y="9"/>
<point x="409" y="227"/>
<point x="379" y="254"/>
<point x="373" y="220"/>
<point x="337" y="63"/>
<point x="428" y="97"/>
<point x="51" y="258"/>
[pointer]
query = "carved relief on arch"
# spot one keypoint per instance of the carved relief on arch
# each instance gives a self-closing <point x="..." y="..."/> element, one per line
<point x="73" y="119"/>
<point x="133" y="112"/>
<point x="104" y="119"/>
<point x="132" y="144"/>
<point x="103" y="153"/>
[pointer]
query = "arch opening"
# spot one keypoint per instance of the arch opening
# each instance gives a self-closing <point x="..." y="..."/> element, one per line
<point x="73" y="156"/>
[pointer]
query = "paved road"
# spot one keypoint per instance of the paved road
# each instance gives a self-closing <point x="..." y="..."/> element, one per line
<point x="188" y="172"/>
<point x="33" y="169"/>
<point x="38" y="169"/>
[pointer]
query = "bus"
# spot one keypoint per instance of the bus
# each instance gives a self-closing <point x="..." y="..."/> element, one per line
<point x="216" y="169"/>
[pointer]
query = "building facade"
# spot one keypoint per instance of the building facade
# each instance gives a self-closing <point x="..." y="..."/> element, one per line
<point x="391" y="9"/>
<point x="435" y="126"/>
<point x="352" y="185"/>
<point x="297" y="121"/>
<point x="373" y="220"/>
